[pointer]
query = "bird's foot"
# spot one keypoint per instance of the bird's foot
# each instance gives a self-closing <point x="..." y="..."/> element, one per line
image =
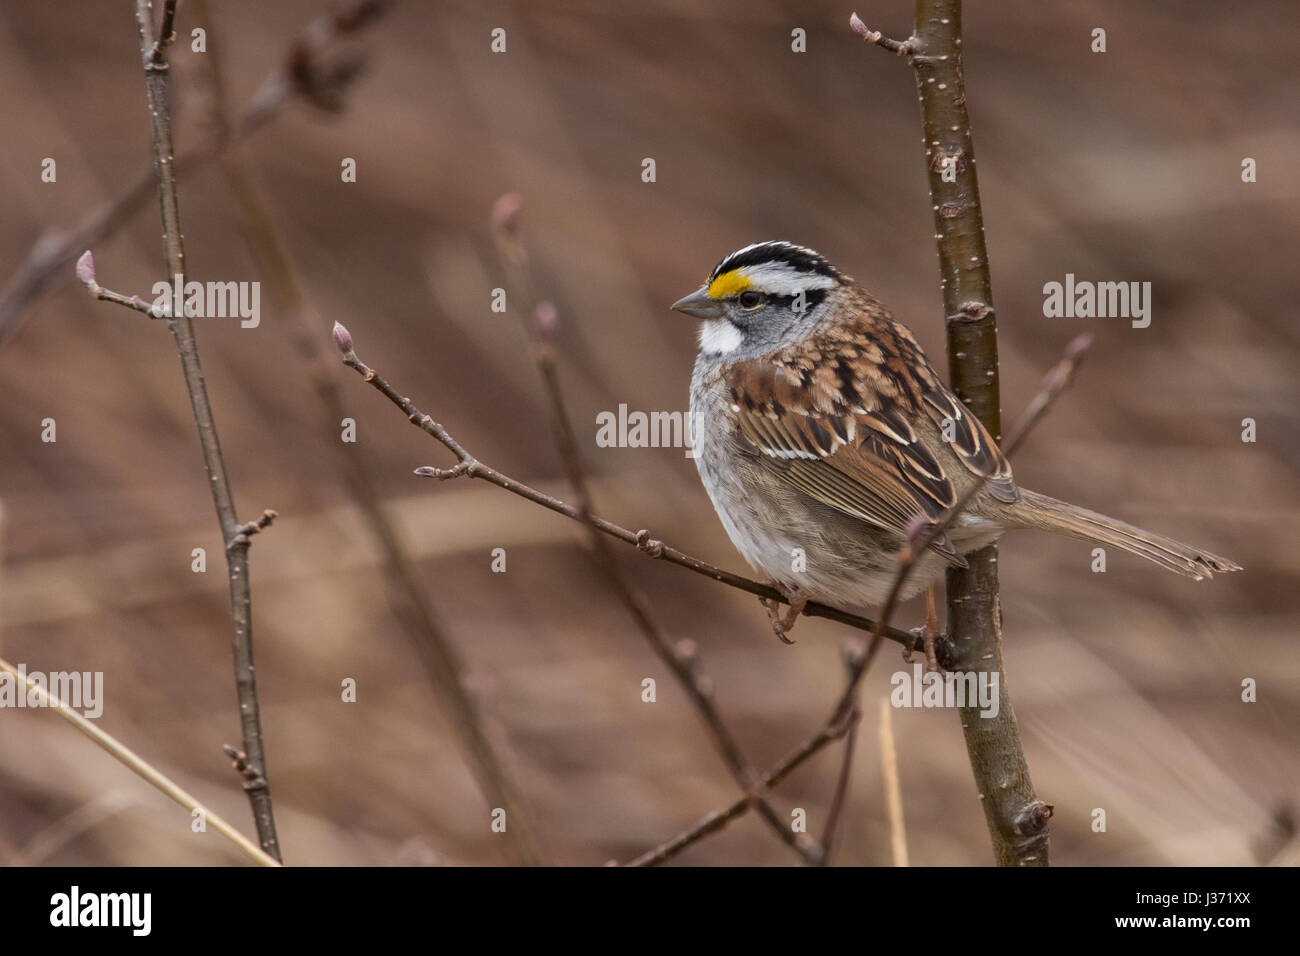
<point x="784" y="624"/>
<point x="927" y="632"/>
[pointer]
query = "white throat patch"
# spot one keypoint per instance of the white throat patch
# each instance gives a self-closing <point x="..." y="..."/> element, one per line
<point x="718" y="337"/>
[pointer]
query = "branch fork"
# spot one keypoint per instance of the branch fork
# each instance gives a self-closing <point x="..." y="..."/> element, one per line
<point x="249" y="528"/>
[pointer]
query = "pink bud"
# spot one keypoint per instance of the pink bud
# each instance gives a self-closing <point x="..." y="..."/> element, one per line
<point x="858" y="27"/>
<point x="505" y="214"/>
<point x="1078" y="346"/>
<point x="86" y="268"/>
<point x="547" y="319"/>
<point x="342" y="338"/>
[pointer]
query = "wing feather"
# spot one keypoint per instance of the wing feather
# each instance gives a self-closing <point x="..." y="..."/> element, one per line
<point x="834" y="414"/>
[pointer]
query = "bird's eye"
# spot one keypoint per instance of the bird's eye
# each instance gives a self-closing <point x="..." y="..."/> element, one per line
<point x="749" y="299"/>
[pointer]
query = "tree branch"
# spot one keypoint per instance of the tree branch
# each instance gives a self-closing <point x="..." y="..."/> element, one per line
<point x="470" y="467"/>
<point x="840" y="796"/>
<point x="1016" y="817"/>
<point x="236" y="538"/>
<point x="716" y="821"/>
<point x="86" y="273"/>
<point x="166" y="33"/>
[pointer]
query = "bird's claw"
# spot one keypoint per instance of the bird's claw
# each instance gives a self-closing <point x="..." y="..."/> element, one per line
<point x="783" y="624"/>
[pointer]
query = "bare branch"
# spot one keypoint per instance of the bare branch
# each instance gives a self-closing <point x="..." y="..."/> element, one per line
<point x="901" y="48"/>
<point x="841" y="793"/>
<point x="130" y="301"/>
<point x="235" y="536"/>
<point x="470" y="467"/>
<point x="166" y="34"/>
<point x="934" y="52"/>
<point x="716" y="821"/>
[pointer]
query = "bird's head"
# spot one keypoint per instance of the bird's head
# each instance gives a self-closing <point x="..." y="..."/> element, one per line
<point x="760" y="298"/>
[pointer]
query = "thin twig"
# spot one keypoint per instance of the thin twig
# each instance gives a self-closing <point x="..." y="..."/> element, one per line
<point x="166" y="33"/>
<point x="683" y="660"/>
<point x="405" y="589"/>
<point x="716" y="821"/>
<point x="468" y="466"/>
<point x="893" y="788"/>
<point x="840" y="796"/>
<point x="86" y="273"/>
<point x="137" y="764"/>
<point x="898" y="47"/>
<point x="51" y="255"/>
<point x="234" y="535"/>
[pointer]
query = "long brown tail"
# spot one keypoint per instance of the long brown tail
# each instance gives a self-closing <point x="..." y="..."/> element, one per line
<point x="1039" y="511"/>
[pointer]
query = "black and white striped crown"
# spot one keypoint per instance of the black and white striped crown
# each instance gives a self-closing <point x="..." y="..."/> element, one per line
<point x="796" y="257"/>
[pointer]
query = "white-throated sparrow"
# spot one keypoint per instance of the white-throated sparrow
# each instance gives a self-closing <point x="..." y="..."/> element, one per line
<point x="819" y="432"/>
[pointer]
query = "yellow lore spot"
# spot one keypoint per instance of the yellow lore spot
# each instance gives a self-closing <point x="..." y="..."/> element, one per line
<point x="729" y="283"/>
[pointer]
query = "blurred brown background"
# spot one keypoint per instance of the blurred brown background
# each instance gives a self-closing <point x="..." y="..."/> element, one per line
<point x="1122" y="166"/>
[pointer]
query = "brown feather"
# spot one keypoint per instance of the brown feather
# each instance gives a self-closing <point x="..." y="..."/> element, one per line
<point x="834" y="415"/>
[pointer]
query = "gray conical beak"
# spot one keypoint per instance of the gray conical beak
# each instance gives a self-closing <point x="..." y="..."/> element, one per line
<point x="699" y="304"/>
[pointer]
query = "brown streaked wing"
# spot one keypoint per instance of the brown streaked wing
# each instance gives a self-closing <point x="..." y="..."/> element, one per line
<point x="866" y="464"/>
<point x="974" y="446"/>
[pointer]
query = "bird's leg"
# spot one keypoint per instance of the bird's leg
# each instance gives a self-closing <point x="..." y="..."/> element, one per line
<point x="931" y="630"/>
<point x="928" y="632"/>
<point x="782" y="625"/>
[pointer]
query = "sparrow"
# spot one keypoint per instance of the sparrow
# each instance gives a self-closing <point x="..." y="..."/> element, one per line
<point x="826" y="441"/>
